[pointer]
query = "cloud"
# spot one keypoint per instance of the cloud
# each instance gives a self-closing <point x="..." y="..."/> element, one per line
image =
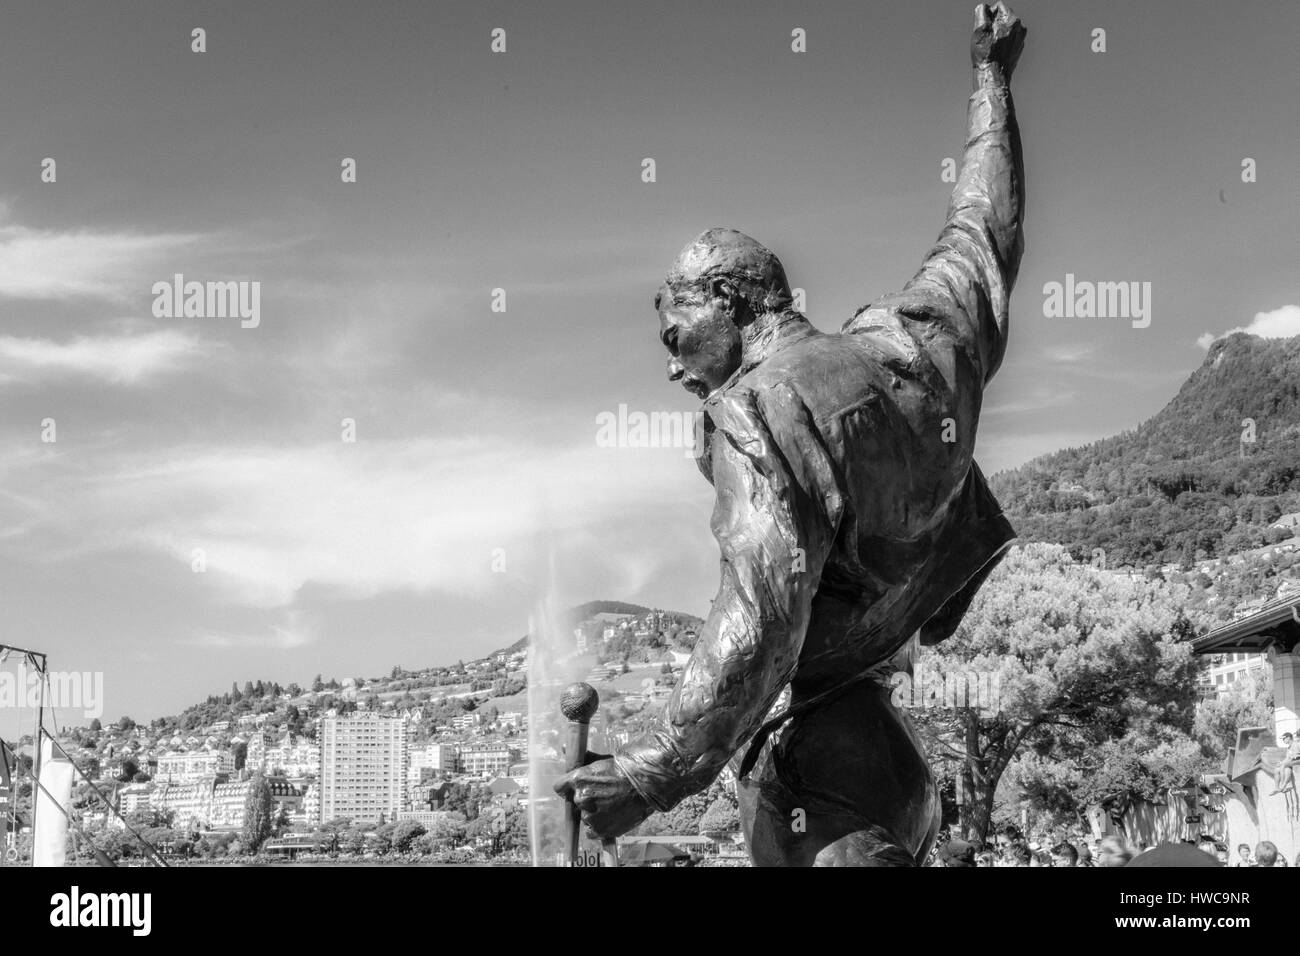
<point x="1280" y="323"/>
<point x="48" y="264"/>
<point x="293" y="632"/>
<point x="115" y="359"/>
<point x="121" y="265"/>
<point x="372" y="517"/>
<point x="1069" y="354"/>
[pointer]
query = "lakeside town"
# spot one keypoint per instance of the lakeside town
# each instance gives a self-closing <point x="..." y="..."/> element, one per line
<point x="431" y="766"/>
<point x="425" y="765"/>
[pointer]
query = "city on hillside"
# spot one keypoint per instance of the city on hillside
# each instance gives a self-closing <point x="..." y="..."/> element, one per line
<point x="430" y="763"/>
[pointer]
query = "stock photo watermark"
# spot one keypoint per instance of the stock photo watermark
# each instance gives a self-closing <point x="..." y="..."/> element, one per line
<point x="930" y="688"/>
<point x="656" y="429"/>
<point x="208" y="300"/>
<point x="1084" y="299"/>
<point x="65" y="690"/>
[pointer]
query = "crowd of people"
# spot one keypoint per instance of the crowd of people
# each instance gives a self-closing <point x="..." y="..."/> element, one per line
<point x="1008" y="847"/>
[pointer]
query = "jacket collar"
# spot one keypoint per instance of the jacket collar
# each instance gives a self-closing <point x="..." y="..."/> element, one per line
<point x="781" y="333"/>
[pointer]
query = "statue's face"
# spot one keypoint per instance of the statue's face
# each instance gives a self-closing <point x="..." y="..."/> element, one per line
<point x="703" y="341"/>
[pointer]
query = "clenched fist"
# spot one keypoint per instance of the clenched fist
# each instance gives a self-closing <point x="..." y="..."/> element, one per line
<point x="998" y="38"/>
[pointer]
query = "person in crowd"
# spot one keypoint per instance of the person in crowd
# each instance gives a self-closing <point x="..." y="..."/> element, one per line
<point x="1085" y="855"/>
<point x="957" y="853"/>
<point x="1114" y="852"/>
<point x="1285" y="771"/>
<point x="985" y="858"/>
<point x="1243" y="855"/>
<point x="1265" y="854"/>
<point x="1064" y="854"/>
<point x="1006" y="838"/>
<point x="1020" y="855"/>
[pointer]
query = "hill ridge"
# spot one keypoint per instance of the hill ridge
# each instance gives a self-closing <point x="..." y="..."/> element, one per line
<point x="1206" y="475"/>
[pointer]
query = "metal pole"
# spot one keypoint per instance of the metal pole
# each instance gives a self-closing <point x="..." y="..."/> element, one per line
<point x="39" y="740"/>
<point x="20" y="650"/>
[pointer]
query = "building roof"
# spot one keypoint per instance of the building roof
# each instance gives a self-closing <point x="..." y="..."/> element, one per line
<point x="1276" y="623"/>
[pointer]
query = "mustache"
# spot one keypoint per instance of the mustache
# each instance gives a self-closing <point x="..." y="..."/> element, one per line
<point x="695" y="386"/>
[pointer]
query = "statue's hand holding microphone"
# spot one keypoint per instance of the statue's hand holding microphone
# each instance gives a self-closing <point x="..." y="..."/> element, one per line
<point x="599" y="794"/>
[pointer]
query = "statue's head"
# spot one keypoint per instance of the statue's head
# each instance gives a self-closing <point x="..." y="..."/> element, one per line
<point x="717" y="286"/>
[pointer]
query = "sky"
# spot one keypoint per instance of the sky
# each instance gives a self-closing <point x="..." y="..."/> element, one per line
<point x="198" y="518"/>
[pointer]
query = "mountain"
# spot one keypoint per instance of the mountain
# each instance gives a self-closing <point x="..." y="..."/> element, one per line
<point x="1206" y="476"/>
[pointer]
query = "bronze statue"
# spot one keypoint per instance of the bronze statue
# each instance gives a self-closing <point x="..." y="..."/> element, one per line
<point x="852" y="519"/>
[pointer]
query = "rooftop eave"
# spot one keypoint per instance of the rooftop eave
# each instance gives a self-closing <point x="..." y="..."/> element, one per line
<point x="1277" y="624"/>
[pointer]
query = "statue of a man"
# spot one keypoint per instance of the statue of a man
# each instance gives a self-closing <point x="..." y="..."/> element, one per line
<point x="853" y="522"/>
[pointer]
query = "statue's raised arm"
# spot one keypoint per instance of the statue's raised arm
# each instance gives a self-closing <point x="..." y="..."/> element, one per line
<point x="852" y="522"/>
<point x="966" y="279"/>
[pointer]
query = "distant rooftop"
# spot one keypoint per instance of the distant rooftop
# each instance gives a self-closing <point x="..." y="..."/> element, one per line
<point x="1277" y="622"/>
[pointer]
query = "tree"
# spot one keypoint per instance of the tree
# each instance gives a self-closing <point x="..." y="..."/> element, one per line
<point x="331" y="830"/>
<point x="257" y="813"/>
<point x="240" y="753"/>
<point x="145" y="817"/>
<point x="723" y="816"/>
<point x="95" y="726"/>
<point x="1248" y="703"/>
<point x="381" y="841"/>
<point x="510" y="830"/>
<point x="352" y="840"/>
<point x="1110" y="776"/>
<point x="446" y="831"/>
<point x="682" y="820"/>
<point x="405" y="832"/>
<point x="129" y="769"/>
<point x="1072" y="656"/>
<point x="464" y="798"/>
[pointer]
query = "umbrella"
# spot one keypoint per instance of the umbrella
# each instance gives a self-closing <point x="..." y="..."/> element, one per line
<point x="1174" y="854"/>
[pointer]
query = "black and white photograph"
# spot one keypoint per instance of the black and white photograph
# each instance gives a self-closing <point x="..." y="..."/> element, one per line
<point x="439" y="439"/>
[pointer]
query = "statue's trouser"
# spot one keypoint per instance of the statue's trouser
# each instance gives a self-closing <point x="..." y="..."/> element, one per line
<point x="846" y="784"/>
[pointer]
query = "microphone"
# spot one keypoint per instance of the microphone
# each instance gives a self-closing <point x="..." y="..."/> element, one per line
<point x="578" y="704"/>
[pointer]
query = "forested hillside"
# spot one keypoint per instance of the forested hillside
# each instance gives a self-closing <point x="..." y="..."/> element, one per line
<point x="1206" y="476"/>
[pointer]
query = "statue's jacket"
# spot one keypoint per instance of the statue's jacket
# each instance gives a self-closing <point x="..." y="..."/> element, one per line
<point x="850" y="515"/>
